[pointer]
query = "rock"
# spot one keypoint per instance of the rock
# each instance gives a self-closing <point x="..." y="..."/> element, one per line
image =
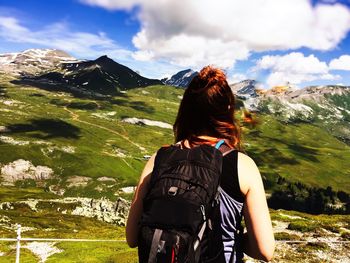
<point x="4" y="129"/>
<point x="99" y="188"/>
<point x="31" y="203"/>
<point x="56" y="189"/>
<point x="43" y="250"/>
<point x="104" y="210"/>
<point x="143" y="122"/>
<point x="128" y="189"/>
<point x="6" y="206"/>
<point x="23" y="170"/>
<point x="12" y="141"/>
<point x="78" y="181"/>
<point x="106" y="179"/>
<point x="101" y="209"/>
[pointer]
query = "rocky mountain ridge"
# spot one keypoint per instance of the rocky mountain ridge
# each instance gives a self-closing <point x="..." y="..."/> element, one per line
<point x="102" y="76"/>
<point x="33" y="61"/>
<point x="181" y="78"/>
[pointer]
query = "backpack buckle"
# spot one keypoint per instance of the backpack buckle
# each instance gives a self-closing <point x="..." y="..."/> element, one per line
<point x="172" y="190"/>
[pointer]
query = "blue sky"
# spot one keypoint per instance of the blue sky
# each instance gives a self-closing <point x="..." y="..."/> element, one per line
<point x="274" y="41"/>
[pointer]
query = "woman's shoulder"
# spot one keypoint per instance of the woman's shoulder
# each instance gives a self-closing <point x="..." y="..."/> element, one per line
<point x="245" y="160"/>
<point x="248" y="172"/>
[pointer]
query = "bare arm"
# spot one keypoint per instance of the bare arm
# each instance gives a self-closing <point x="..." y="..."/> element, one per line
<point x="259" y="241"/>
<point x="132" y="225"/>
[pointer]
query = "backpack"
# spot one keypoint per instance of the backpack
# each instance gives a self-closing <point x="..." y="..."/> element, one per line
<point x="181" y="212"/>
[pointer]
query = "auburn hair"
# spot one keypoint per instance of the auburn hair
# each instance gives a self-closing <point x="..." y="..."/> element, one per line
<point x="207" y="109"/>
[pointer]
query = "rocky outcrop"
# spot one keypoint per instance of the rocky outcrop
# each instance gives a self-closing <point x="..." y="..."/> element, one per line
<point x="33" y="61"/>
<point x="78" y="181"/>
<point x="43" y="250"/>
<point x="142" y="122"/>
<point x="23" y="170"/>
<point x="114" y="212"/>
<point x="104" y="210"/>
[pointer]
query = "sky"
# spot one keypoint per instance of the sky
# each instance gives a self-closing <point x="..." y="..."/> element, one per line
<point x="301" y="42"/>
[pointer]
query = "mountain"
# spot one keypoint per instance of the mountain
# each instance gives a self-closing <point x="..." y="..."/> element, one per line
<point x="325" y="106"/>
<point x="181" y="79"/>
<point x="33" y="61"/>
<point x="56" y="70"/>
<point x="245" y="89"/>
<point x="103" y="76"/>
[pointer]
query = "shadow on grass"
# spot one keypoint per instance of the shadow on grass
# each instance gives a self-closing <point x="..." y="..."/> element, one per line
<point x="55" y="83"/>
<point x="304" y="152"/>
<point x="3" y="93"/>
<point x="274" y="158"/>
<point x="141" y="106"/>
<point x="39" y="95"/>
<point x="46" y="129"/>
<point x="80" y="105"/>
<point x="136" y="105"/>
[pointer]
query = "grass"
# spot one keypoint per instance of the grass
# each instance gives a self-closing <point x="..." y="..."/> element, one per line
<point x="300" y="153"/>
<point x="105" y="146"/>
<point x="297" y="152"/>
<point x="286" y="236"/>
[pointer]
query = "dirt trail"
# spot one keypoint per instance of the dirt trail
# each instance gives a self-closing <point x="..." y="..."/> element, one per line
<point x="75" y="117"/>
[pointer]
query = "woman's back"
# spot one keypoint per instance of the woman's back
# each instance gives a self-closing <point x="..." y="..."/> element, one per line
<point x="207" y="113"/>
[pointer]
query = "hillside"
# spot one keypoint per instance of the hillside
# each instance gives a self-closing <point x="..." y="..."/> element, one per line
<point x="69" y="161"/>
<point x="83" y="139"/>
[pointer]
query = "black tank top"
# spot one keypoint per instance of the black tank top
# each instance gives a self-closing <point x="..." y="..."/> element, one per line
<point x="231" y="208"/>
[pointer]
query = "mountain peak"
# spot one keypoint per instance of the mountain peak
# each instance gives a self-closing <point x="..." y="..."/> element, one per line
<point x="181" y="78"/>
<point x="104" y="59"/>
<point x="245" y="88"/>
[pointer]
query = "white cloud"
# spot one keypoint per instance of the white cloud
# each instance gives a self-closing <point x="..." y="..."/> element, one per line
<point x="60" y="36"/>
<point x="341" y="63"/>
<point x="294" y="68"/>
<point x="191" y="51"/>
<point x="237" y="77"/>
<point x="200" y="32"/>
<point x="82" y="45"/>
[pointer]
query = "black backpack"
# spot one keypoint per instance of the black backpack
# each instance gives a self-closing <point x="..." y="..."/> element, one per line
<point x="181" y="215"/>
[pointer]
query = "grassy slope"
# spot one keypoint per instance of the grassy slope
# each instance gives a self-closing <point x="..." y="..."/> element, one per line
<point x="300" y="152"/>
<point x="295" y="151"/>
<point x="96" y="139"/>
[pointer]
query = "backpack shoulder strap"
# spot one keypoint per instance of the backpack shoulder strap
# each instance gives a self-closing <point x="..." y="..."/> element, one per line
<point x="219" y="143"/>
<point x="223" y="147"/>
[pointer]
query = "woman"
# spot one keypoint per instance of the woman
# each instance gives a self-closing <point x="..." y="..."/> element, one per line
<point x="206" y="115"/>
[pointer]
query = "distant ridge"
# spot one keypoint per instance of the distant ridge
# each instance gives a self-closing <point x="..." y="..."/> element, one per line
<point x="181" y="79"/>
<point x="102" y="75"/>
<point x="33" y="61"/>
<point x="56" y="67"/>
